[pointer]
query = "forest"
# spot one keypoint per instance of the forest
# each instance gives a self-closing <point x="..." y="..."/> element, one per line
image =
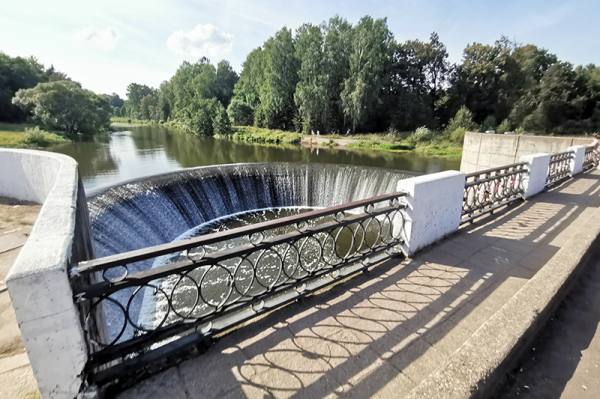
<point x="335" y="77"/>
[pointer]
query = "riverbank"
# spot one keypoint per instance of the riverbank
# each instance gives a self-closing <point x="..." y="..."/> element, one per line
<point x="396" y="143"/>
<point x="117" y="122"/>
<point x="23" y="135"/>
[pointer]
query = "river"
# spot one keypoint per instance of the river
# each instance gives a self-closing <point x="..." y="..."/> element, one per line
<point x="149" y="150"/>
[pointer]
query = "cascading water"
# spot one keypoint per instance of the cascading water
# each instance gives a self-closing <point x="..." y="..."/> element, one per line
<point x="184" y="204"/>
<point x="159" y="209"/>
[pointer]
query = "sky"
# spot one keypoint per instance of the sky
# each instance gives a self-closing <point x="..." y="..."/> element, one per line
<point x="106" y="44"/>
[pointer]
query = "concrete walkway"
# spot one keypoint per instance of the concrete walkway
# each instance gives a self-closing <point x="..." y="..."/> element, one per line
<point x="384" y="332"/>
<point x="564" y="360"/>
<point x="16" y="376"/>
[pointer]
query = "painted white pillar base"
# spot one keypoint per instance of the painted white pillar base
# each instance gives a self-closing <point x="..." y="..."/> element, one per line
<point x="434" y="205"/>
<point x="535" y="181"/>
<point x="576" y="163"/>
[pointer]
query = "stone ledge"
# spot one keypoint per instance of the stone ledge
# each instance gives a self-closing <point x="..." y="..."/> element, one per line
<point x="481" y="363"/>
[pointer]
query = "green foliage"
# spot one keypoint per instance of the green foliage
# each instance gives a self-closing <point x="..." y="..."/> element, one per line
<point x="63" y="105"/>
<point x="240" y="112"/>
<point x="253" y="134"/>
<point x="24" y="136"/>
<point x="504" y="126"/>
<point x="462" y="119"/>
<point x="422" y="134"/>
<point x="370" y="57"/>
<point x="17" y="73"/>
<point x="489" y="123"/>
<point x="458" y="135"/>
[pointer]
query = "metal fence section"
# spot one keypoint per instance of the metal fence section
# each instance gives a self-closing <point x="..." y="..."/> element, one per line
<point x="591" y="157"/>
<point x="559" y="167"/>
<point x="490" y="189"/>
<point x="151" y="302"/>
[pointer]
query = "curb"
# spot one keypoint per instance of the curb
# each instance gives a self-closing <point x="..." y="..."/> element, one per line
<point x="480" y="365"/>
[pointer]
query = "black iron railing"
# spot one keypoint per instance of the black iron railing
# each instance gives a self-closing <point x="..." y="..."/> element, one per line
<point x="559" y="167"/>
<point x="490" y="189"/>
<point x="591" y="157"/>
<point x="144" y="304"/>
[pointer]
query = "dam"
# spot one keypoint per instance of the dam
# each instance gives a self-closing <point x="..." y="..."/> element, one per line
<point x="292" y="279"/>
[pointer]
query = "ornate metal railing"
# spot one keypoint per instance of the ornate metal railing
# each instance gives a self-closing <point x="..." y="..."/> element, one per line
<point x="591" y="157"/>
<point x="559" y="167"/>
<point x="142" y="305"/>
<point x="490" y="189"/>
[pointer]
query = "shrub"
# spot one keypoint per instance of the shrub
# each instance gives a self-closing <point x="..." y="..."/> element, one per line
<point x="40" y="138"/>
<point x="422" y="134"/>
<point x="462" y="119"/>
<point x="458" y="135"/>
<point x="504" y="126"/>
<point x="489" y="123"/>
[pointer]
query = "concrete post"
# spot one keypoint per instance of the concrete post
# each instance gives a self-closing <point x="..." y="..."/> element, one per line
<point x="434" y="204"/>
<point x="576" y="164"/>
<point x="535" y="181"/>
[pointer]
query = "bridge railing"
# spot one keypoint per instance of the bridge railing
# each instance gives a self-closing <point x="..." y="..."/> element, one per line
<point x="143" y="305"/>
<point x="559" y="167"/>
<point x="591" y="157"/>
<point x="490" y="189"/>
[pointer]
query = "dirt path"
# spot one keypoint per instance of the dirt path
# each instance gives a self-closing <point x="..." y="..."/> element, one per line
<point x="564" y="361"/>
<point x="16" y="377"/>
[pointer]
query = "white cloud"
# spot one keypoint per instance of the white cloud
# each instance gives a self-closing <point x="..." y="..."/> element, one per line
<point x="99" y="38"/>
<point x="203" y="40"/>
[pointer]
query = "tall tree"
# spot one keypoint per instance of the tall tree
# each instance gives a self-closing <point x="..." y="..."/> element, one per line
<point x="17" y="73"/>
<point x="276" y="93"/>
<point x="336" y="57"/>
<point x="225" y="81"/>
<point x="369" y="59"/>
<point x="311" y="94"/>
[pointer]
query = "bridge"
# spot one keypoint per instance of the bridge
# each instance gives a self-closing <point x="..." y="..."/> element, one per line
<point x="429" y="291"/>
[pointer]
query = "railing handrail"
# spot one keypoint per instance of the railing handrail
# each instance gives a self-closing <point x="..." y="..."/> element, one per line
<point x="154" y="251"/>
<point x="484" y="171"/>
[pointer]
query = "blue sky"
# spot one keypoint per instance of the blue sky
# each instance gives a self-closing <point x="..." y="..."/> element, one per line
<point x="106" y="44"/>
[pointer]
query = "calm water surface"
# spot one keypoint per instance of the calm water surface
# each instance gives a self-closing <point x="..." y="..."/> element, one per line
<point x="148" y="150"/>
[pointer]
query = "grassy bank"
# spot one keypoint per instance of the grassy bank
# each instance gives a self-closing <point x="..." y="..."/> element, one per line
<point x="251" y="134"/>
<point x="117" y="122"/>
<point x="21" y="135"/>
<point x="440" y="146"/>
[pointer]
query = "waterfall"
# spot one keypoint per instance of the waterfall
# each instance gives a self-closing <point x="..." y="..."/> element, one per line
<point x="159" y="209"/>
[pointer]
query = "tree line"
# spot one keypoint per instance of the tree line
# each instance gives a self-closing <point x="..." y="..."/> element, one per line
<point x="339" y="77"/>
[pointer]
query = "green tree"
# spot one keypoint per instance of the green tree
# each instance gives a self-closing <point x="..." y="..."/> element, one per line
<point x="65" y="106"/>
<point x="369" y="59"/>
<point x="225" y="82"/>
<point x="17" y="73"/>
<point x="246" y="97"/>
<point x="336" y="57"/>
<point x="276" y="92"/>
<point x="311" y="95"/>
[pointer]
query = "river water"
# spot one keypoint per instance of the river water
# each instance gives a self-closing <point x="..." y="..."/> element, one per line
<point x="149" y="150"/>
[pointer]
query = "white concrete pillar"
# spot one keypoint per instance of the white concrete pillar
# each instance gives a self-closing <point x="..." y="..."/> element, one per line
<point x="535" y="181"/>
<point x="576" y="164"/>
<point x="434" y="205"/>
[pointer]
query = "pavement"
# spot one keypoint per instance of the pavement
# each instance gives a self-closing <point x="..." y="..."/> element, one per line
<point x="564" y="360"/>
<point x="16" y="376"/>
<point x="382" y="334"/>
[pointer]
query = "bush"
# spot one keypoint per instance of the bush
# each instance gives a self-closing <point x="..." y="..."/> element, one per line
<point x="40" y="138"/>
<point x="221" y="122"/>
<point x="462" y="119"/>
<point x="458" y="135"/>
<point x="422" y="134"/>
<point x="489" y="123"/>
<point x="504" y="126"/>
<point x="240" y="112"/>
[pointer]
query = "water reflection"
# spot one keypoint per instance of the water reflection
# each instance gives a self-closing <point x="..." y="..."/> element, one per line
<point x="149" y="150"/>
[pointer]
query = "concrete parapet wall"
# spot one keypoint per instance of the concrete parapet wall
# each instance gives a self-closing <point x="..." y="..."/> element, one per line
<point x="434" y="204"/>
<point x="38" y="282"/>
<point x="484" y="151"/>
